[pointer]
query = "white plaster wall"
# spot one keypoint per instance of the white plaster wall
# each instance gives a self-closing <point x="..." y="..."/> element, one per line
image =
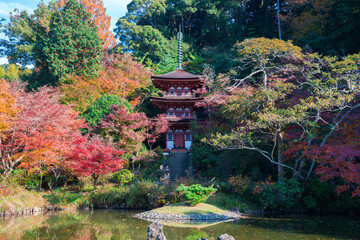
<point x="170" y="144"/>
<point x="188" y="144"/>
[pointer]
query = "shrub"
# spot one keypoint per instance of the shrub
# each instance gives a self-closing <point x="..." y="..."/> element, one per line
<point x="146" y="194"/>
<point x="309" y="201"/>
<point x="195" y="193"/>
<point x="139" y="194"/>
<point x="64" y="198"/>
<point x="322" y="195"/>
<point x="229" y="201"/>
<point x="122" y="177"/>
<point x="108" y="196"/>
<point x="101" y="108"/>
<point x="240" y="183"/>
<point x="29" y="180"/>
<point x="283" y="195"/>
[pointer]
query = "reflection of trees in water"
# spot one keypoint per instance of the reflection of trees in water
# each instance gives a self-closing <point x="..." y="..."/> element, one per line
<point x="14" y="227"/>
<point x="196" y="234"/>
<point x="121" y="225"/>
<point x="88" y="225"/>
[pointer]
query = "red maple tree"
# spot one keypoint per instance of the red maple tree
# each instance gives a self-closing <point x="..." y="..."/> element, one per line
<point x="130" y="130"/>
<point x="40" y="135"/>
<point x="158" y="126"/>
<point x="94" y="157"/>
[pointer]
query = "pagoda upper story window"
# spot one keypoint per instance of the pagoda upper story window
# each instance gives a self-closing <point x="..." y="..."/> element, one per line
<point x="179" y="112"/>
<point x="179" y="91"/>
<point x="170" y="112"/>
<point x="171" y="91"/>
<point x="186" y="91"/>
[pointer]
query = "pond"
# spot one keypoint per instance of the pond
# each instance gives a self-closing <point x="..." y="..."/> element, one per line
<point x="102" y="224"/>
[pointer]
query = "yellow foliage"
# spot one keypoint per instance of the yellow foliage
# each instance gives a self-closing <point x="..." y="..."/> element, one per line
<point x="12" y="72"/>
<point x="2" y="72"/>
<point x="8" y="107"/>
<point x="262" y="49"/>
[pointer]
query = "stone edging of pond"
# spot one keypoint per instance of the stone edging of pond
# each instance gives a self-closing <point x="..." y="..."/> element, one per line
<point x="32" y="211"/>
<point x="152" y="215"/>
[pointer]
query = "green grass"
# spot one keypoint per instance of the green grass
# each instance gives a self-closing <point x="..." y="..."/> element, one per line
<point x="186" y="208"/>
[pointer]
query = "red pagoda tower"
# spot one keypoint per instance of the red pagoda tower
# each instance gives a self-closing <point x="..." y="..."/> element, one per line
<point x="178" y="103"/>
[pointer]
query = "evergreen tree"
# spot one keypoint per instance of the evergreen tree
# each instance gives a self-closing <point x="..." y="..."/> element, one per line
<point x="101" y="108"/>
<point x="73" y="46"/>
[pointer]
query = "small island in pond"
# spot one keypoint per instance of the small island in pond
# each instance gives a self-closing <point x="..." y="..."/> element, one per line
<point x="185" y="212"/>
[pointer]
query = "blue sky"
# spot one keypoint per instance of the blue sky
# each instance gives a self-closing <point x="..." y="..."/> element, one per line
<point x="114" y="8"/>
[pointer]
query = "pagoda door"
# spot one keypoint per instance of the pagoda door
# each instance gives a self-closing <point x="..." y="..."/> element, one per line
<point x="179" y="140"/>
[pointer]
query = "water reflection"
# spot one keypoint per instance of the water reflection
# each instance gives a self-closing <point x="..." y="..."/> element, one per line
<point x="121" y="225"/>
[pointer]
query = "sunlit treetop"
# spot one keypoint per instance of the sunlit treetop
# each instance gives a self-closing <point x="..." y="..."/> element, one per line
<point x="263" y="50"/>
<point x="8" y="108"/>
<point x="101" y="20"/>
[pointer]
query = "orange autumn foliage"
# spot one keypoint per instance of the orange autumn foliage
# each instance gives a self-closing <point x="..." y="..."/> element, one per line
<point x="40" y="133"/>
<point x="101" y="20"/>
<point x="120" y="76"/>
<point x="80" y="93"/>
<point x="8" y="107"/>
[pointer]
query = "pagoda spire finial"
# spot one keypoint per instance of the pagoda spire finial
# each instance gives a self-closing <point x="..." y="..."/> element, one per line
<point x="180" y="37"/>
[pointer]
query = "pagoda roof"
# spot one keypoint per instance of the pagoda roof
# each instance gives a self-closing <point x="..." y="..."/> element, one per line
<point x="177" y="74"/>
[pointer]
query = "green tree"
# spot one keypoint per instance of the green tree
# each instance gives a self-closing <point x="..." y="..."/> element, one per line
<point x="23" y="31"/>
<point x="12" y="72"/>
<point x="195" y="193"/>
<point x="260" y="18"/>
<point x="102" y="106"/>
<point x="295" y="110"/>
<point x="2" y="72"/>
<point x="56" y="41"/>
<point x="325" y="26"/>
<point x="72" y="46"/>
<point x="149" y="26"/>
<point x="146" y="42"/>
<point x="342" y="26"/>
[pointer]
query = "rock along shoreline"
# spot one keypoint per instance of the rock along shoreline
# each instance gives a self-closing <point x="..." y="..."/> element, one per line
<point x="168" y="217"/>
<point x="32" y="211"/>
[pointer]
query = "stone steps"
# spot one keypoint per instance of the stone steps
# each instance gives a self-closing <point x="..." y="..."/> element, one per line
<point x="178" y="164"/>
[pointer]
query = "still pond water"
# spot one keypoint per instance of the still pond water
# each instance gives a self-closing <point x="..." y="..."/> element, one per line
<point x="121" y="225"/>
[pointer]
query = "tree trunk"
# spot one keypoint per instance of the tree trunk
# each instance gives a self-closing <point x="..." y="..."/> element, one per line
<point x="41" y="177"/>
<point x="280" y="157"/>
<point x="95" y="178"/>
<point x="57" y="175"/>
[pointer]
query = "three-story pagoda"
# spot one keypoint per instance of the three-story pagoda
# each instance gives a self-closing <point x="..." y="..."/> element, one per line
<point x="178" y="103"/>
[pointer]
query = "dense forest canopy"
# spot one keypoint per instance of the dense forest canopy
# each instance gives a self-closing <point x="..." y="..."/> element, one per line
<point x="211" y="28"/>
